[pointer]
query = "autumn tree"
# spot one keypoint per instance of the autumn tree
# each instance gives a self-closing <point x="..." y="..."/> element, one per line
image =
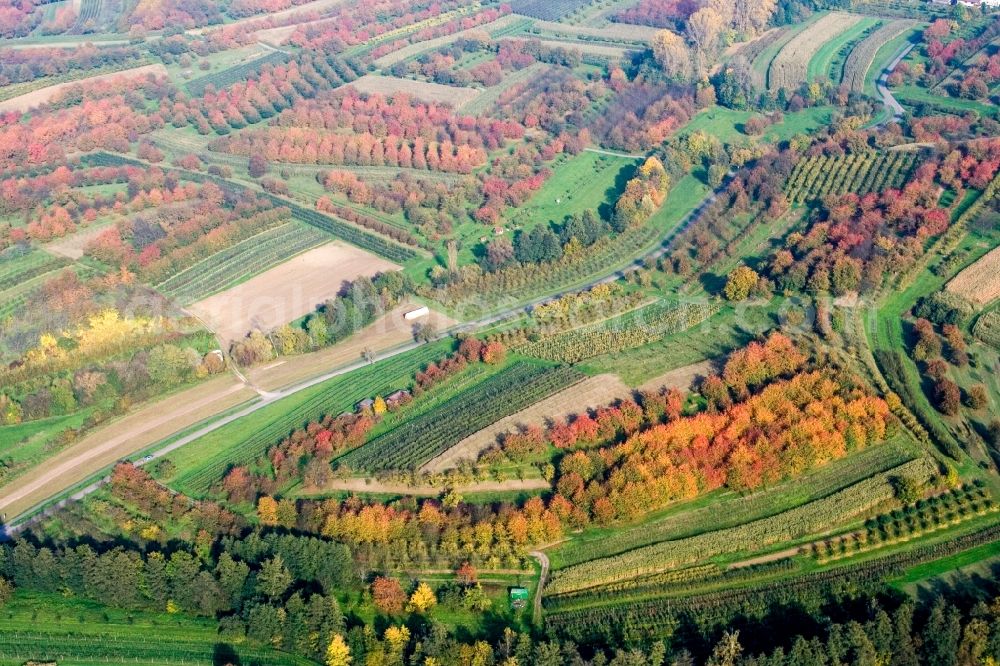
<point x="740" y="283"/>
<point x="671" y="54"/>
<point x="257" y="166"/>
<point x="267" y="511"/>
<point x="494" y="353"/>
<point x="466" y="574"/>
<point x="704" y="29"/>
<point x="977" y="397"/>
<point x="388" y="595"/>
<point x="928" y="344"/>
<point x="422" y="599"/>
<point x="6" y="591"/>
<point x="947" y="396"/>
<point x="338" y="653"/>
<point x="751" y="17"/>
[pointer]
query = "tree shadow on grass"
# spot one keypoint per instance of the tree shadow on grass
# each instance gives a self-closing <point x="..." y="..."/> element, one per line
<point x="224" y="654"/>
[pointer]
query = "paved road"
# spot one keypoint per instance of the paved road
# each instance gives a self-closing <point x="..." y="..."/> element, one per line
<point x="543" y="560"/>
<point x="892" y="105"/>
<point x="613" y="153"/>
<point x="269" y="397"/>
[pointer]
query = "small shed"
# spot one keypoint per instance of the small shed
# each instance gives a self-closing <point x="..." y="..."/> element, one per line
<point x="518" y="597"/>
<point x="397" y="398"/>
<point x="365" y="405"/>
<point x="422" y="311"/>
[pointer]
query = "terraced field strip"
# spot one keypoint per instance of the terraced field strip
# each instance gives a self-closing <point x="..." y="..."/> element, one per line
<point x="657" y="615"/>
<point x="761" y="62"/>
<point x="16" y="271"/>
<point x="413" y="50"/>
<point x="242" y="261"/>
<point x="980" y="282"/>
<point x="808" y="519"/>
<point x="241" y="72"/>
<point x="725" y="509"/>
<point x="392" y="35"/>
<point x="485" y="101"/>
<point x="87" y="10"/>
<point x="592" y="392"/>
<point x="751" y="51"/>
<point x="13" y="298"/>
<point x="307" y="10"/>
<point x="425" y="91"/>
<point x="828" y="61"/>
<point x="549" y="10"/>
<point x="204" y="461"/>
<point x="863" y="54"/>
<point x="790" y="67"/>
<point x="614" y="32"/>
<point x="633" y="329"/>
<point x="29" y="100"/>
<point x="353" y="234"/>
<point x="599" y="50"/>
<point x="417" y="441"/>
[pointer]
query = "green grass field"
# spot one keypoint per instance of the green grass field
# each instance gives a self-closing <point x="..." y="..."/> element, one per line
<point x="26" y="444"/>
<point x="585" y="181"/>
<point x="977" y="559"/>
<point x="727" y="124"/>
<point x="912" y="95"/>
<point x="38" y="627"/>
<point x="716" y="336"/>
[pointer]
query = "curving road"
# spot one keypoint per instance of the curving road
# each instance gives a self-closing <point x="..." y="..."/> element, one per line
<point x="543" y="560"/>
<point x="894" y="109"/>
<point x="267" y="398"/>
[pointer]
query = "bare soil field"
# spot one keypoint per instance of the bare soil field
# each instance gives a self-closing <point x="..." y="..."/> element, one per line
<point x="376" y="486"/>
<point x="390" y="59"/>
<point x="683" y="378"/>
<point x="790" y="67"/>
<point x="593" y="392"/>
<point x="72" y="246"/>
<point x="386" y="333"/>
<point x="315" y="6"/>
<point x="287" y="292"/>
<point x="589" y="49"/>
<point x="122" y="438"/>
<point x="613" y="31"/>
<point x="32" y="99"/>
<point x="280" y="35"/>
<point x="424" y="91"/>
<point x="980" y="282"/>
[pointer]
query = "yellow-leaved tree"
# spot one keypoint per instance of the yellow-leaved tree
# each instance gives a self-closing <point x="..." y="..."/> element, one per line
<point x="338" y="653"/>
<point x="267" y="511"/>
<point x="422" y="599"/>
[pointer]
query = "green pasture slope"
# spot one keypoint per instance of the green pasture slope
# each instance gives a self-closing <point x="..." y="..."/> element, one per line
<point x="586" y="181"/>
